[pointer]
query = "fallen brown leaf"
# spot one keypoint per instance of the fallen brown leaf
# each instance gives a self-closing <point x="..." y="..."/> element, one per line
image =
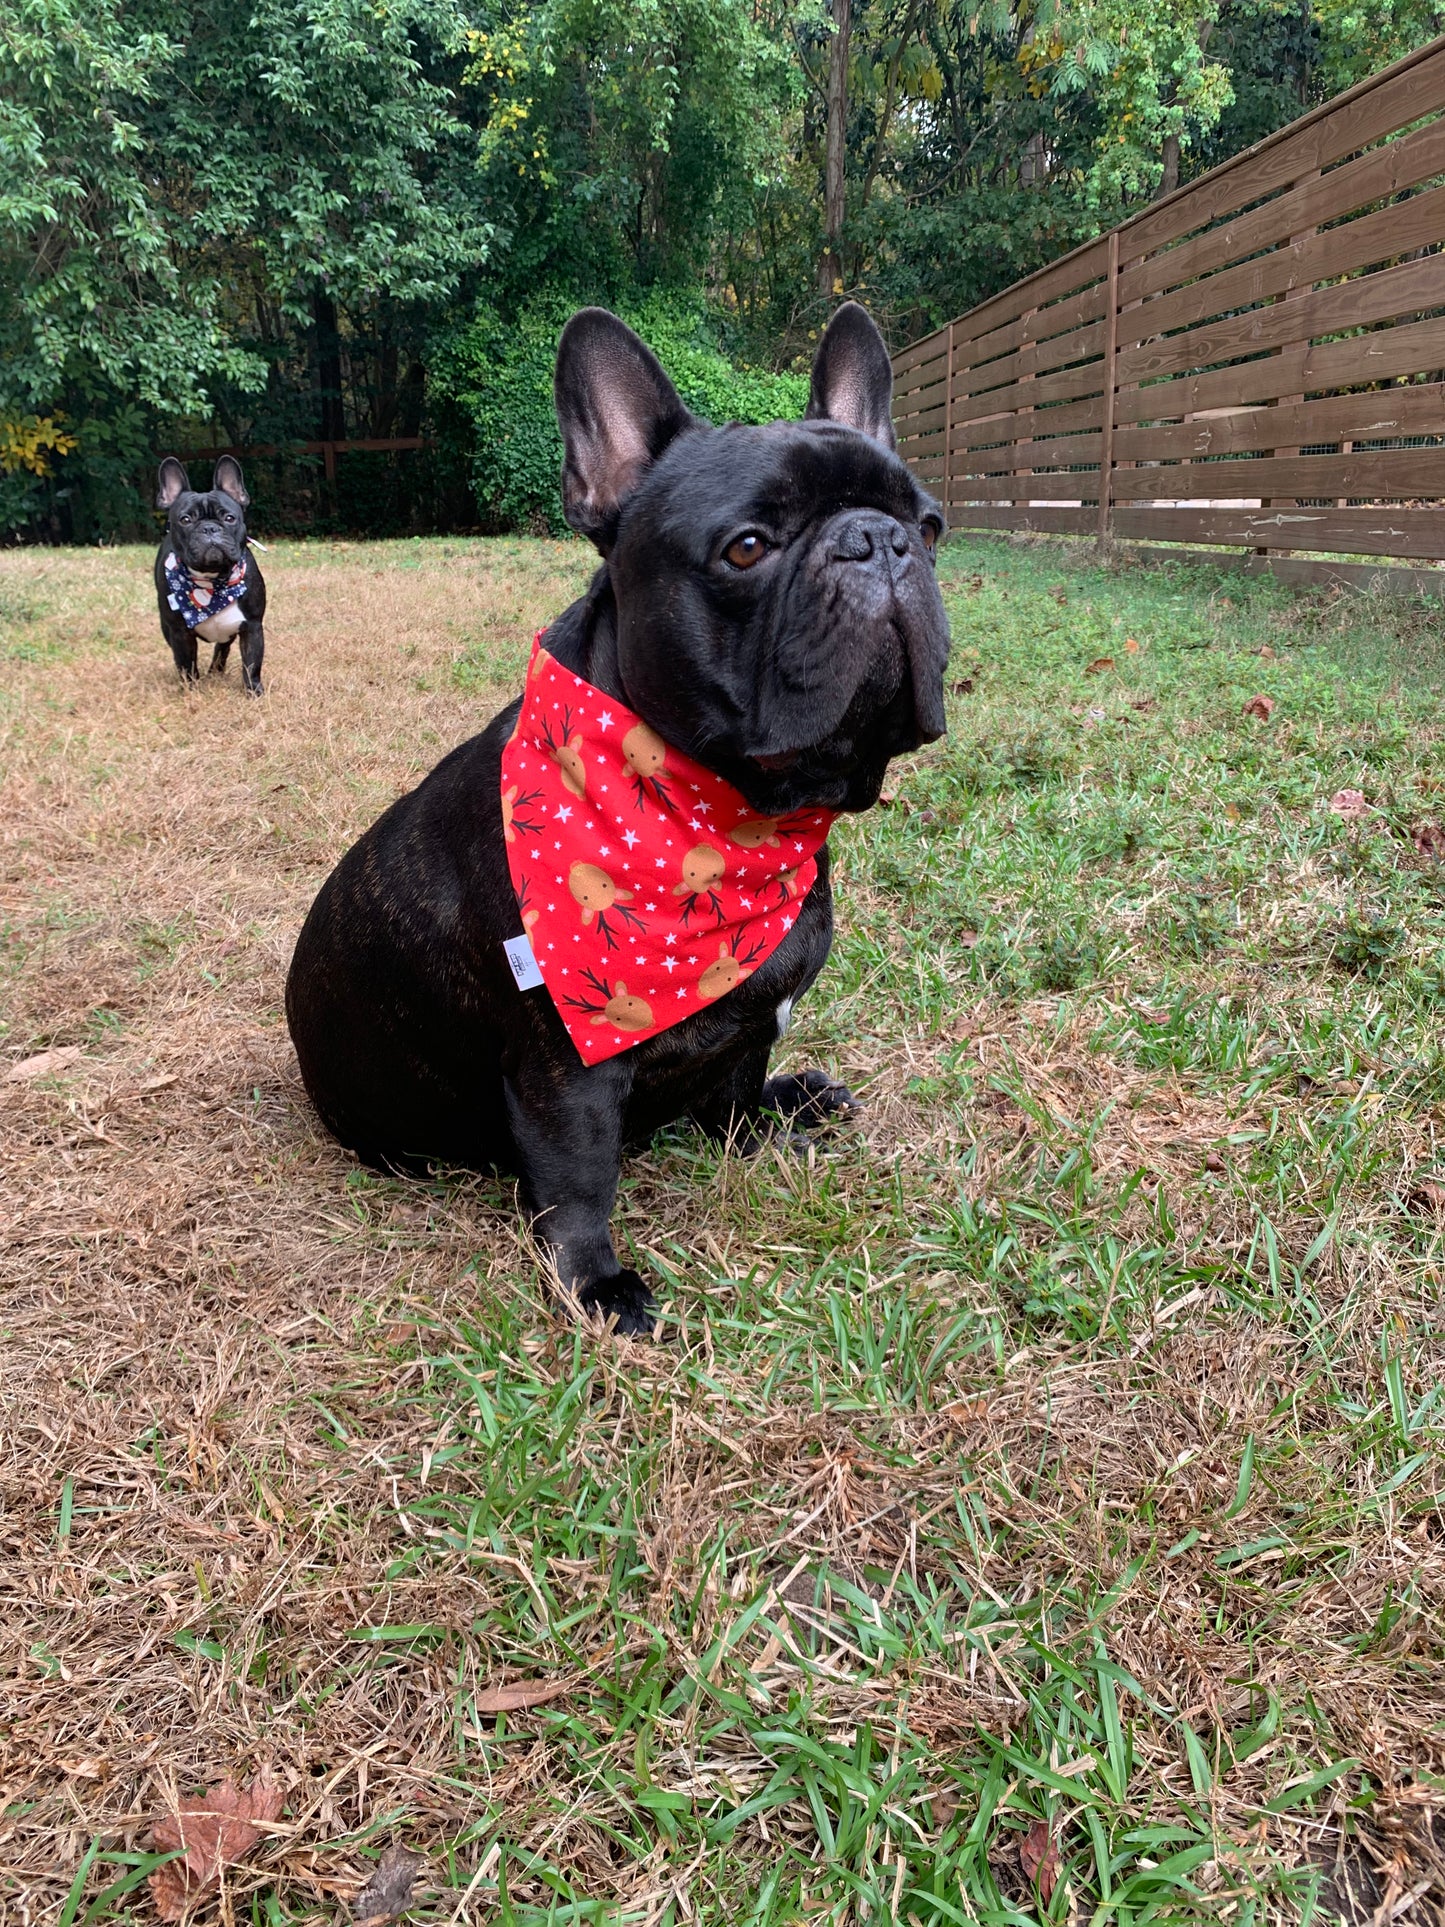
<point x="1213" y="1161"/>
<point x="1131" y="648"/>
<point x="1428" y="1195"/>
<point x="887" y="797"/>
<point x="1152" y="1015"/>
<point x="1039" y="1858"/>
<point x="975" y="582"/>
<point x="1429" y="840"/>
<point x="42" y="1064"/>
<point x="1349" y="804"/>
<point x="1261" y="706"/>
<point x="86" y="1769"/>
<point x="211" y="1831"/>
<point x="1060" y="592"/>
<point x="161" y="1083"/>
<point x="520" y="1693"/>
<point x="1099" y="665"/>
<point x="388" y="1892"/>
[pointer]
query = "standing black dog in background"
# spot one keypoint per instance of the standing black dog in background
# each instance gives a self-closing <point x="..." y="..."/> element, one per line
<point x="208" y="583"/>
<point x="767" y="606"/>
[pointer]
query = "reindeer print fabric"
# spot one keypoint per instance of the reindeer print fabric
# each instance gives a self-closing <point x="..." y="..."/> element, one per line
<point x="647" y="885"/>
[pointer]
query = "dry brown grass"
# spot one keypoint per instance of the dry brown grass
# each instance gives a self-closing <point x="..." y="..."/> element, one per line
<point x="237" y="1421"/>
<point x="181" y="1264"/>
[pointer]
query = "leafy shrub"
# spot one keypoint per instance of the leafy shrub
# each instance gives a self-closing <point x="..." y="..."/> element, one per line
<point x="494" y="376"/>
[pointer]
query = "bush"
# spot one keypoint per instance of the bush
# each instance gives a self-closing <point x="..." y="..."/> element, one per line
<point x="494" y="376"/>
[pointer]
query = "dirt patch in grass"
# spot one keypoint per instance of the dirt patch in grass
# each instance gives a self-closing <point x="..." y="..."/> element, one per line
<point x="1061" y="1450"/>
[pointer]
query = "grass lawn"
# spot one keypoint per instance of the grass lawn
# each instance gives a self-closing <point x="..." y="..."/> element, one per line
<point x="1034" y="1510"/>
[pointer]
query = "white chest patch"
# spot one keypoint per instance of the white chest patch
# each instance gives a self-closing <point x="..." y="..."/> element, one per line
<point x="221" y="627"/>
<point x="785" y="1015"/>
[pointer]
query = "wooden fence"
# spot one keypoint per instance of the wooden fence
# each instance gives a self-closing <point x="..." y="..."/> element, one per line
<point x="1254" y="361"/>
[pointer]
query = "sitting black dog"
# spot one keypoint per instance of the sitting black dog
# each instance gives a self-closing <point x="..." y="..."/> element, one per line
<point x="208" y="582"/>
<point x="765" y="631"/>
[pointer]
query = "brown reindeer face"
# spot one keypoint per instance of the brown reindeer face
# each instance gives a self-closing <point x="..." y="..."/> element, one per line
<point x="624" y="1012"/>
<point x="757" y="831"/>
<point x="787" y="881"/>
<point x="568" y="758"/>
<point x="720" y="977"/>
<point x="644" y="751"/>
<point x="594" y="890"/>
<point x="702" y="868"/>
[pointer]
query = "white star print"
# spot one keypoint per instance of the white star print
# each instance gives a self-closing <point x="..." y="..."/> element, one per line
<point x="669" y="964"/>
<point x="787" y="923"/>
<point x="746" y="902"/>
<point x="662" y="863"/>
<point x="629" y="837"/>
<point x="672" y="940"/>
<point x="681" y="994"/>
<point x="693" y="824"/>
<point x="603" y="850"/>
<point x="563" y="812"/>
<point x="604" y="721"/>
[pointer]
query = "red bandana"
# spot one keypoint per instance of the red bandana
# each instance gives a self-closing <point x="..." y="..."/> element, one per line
<point x="646" y="884"/>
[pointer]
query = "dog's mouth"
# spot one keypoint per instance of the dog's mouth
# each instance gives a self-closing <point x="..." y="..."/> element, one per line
<point x="775" y="764"/>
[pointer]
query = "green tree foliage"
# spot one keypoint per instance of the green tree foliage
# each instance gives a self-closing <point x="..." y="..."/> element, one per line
<point x="191" y="196"/>
<point x="495" y="376"/>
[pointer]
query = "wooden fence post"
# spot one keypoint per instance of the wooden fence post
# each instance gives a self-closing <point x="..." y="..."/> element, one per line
<point x="948" y="430"/>
<point x="1111" y="349"/>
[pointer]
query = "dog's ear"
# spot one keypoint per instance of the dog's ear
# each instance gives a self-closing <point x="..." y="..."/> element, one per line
<point x="229" y="479"/>
<point x="853" y="377"/>
<point x="171" y="481"/>
<point x="617" y="411"/>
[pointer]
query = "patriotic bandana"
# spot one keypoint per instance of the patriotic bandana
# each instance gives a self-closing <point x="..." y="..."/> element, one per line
<point x="647" y="886"/>
<point x="194" y="599"/>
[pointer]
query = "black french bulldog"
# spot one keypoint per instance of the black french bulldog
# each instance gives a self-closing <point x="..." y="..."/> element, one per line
<point x="767" y="604"/>
<point x="208" y="582"/>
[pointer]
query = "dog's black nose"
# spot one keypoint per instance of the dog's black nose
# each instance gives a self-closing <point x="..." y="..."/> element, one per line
<point x="863" y="536"/>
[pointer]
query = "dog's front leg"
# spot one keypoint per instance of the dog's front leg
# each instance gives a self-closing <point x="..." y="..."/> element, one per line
<point x="747" y="1107"/>
<point x="568" y="1134"/>
<point x="253" y="649"/>
<point x="183" y="650"/>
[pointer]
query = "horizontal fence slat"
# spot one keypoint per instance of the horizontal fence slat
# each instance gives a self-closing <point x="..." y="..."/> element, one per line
<point x="1409" y="474"/>
<point x="1372" y="297"/>
<point x="1381" y="415"/>
<point x="1381" y="172"/>
<point x="1361" y="243"/>
<point x="1310" y="574"/>
<point x="1411" y="532"/>
<point x="1417" y="532"/>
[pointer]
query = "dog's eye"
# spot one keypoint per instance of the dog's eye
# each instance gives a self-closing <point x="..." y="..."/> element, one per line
<point x="746" y="550"/>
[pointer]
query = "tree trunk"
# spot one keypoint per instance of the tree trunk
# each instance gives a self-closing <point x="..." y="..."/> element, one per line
<point x="330" y="415"/>
<point x="1170" y="178"/>
<point x="830" y="267"/>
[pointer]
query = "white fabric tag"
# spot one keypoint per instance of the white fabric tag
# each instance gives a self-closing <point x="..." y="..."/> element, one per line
<point x="524" y="964"/>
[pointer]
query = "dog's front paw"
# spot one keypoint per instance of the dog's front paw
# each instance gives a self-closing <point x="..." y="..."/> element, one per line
<point x="625" y="1297"/>
<point x="806" y="1099"/>
<point x="254" y="689"/>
